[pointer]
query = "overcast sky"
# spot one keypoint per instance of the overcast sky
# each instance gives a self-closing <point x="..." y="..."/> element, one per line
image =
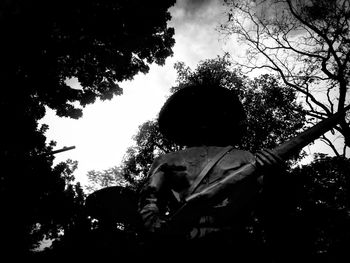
<point x="103" y="134"/>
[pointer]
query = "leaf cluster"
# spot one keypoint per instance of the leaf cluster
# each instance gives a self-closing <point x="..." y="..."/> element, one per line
<point x="315" y="209"/>
<point x="273" y="115"/>
<point x="46" y="44"/>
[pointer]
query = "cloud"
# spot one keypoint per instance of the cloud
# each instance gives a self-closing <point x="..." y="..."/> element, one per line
<point x="195" y="23"/>
<point x="193" y="7"/>
<point x="196" y="11"/>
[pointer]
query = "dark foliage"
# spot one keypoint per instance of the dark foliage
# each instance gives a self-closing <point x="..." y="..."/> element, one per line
<point x="273" y="115"/>
<point x="303" y="215"/>
<point x="44" y="44"/>
<point x="322" y="203"/>
<point x="109" y="226"/>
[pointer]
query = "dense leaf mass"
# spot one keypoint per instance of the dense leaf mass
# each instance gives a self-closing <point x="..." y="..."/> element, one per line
<point x="97" y="42"/>
<point x="273" y="114"/>
<point x="301" y="214"/>
<point x="45" y="45"/>
<point x="311" y="214"/>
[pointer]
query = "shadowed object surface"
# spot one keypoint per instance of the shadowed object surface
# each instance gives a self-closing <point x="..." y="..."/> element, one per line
<point x="199" y="114"/>
<point x="113" y="203"/>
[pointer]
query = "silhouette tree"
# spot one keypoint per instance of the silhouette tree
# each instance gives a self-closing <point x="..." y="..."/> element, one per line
<point x="307" y="213"/>
<point x="306" y="43"/>
<point x="323" y="204"/>
<point x="302" y="214"/>
<point x="107" y="227"/>
<point x="101" y="179"/>
<point x="273" y="115"/>
<point x="45" y="46"/>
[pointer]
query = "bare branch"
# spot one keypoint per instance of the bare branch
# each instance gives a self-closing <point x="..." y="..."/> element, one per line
<point x="330" y="144"/>
<point x="310" y="54"/>
<point x="319" y="32"/>
<point x="329" y="99"/>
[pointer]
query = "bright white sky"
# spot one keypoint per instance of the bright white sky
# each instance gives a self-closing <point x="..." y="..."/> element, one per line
<point x="105" y="131"/>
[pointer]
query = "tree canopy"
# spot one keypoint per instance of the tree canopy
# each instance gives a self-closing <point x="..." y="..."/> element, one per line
<point x="46" y="44"/>
<point x="98" y="42"/>
<point x="273" y="114"/>
<point x="303" y="213"/>
<point x="306" y="43"/>
<point x="102" y="179"/>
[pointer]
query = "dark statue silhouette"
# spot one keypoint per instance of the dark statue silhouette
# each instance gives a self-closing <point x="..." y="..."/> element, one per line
<point x="199" y="198"/>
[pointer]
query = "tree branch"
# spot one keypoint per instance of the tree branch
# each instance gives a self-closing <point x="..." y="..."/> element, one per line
<point x="330" y="144"/>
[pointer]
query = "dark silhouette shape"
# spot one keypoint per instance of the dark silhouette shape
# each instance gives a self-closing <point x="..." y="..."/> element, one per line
<point x="118" y="227"/>
<point x="206" y="113"/>
<point x="203" y="118"/>
<point x="45" y="44"/>
<point x="115" y="204"/>
<point x="215" y="201"/>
